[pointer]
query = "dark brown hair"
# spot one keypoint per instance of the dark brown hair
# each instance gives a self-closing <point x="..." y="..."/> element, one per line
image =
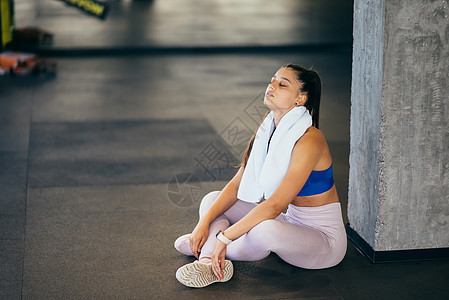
<point x="310" y="82"/>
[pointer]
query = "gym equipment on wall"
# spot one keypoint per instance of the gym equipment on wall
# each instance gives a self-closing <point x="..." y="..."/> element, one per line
<point x="6" y="23"/>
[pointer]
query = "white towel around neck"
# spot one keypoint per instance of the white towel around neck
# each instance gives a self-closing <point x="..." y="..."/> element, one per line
<point x="264" y="171"/>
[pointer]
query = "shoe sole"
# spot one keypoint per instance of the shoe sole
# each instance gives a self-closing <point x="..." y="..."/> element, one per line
<point x="199" y="275"/>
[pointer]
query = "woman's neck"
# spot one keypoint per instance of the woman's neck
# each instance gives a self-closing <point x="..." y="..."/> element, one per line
<point x="277" y="116"/>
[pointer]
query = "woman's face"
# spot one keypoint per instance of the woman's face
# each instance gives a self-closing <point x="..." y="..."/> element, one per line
<point x="284" y="91"/>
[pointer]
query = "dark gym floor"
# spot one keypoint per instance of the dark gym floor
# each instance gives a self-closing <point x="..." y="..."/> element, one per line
<point x="91" y="158"/>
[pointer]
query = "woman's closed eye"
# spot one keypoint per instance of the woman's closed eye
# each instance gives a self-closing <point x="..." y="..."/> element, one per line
<point x="281" y="83"/>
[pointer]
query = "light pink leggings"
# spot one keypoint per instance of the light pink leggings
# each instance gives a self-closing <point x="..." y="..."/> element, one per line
<point x="306" y="237"/>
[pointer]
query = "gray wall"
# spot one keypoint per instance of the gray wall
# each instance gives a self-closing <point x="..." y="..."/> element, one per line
<point x="399" y="161"/>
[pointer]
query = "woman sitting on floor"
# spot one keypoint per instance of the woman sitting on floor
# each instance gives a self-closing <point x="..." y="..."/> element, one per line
<point x="288" y="163"/>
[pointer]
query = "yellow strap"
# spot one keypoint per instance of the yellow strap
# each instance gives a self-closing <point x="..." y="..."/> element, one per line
<point x="7" y="24"/>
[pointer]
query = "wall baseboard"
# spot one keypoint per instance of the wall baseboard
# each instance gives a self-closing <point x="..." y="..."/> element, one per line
<point x="396" y="255"/>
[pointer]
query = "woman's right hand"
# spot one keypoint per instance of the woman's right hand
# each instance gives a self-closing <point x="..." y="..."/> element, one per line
<point x="198" y="238"/>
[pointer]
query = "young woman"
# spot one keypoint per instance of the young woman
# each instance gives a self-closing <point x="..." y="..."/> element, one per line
<point x="288" y="163"/>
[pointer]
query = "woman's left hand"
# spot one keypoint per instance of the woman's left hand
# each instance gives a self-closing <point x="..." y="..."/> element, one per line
<point x="218" y="259"/>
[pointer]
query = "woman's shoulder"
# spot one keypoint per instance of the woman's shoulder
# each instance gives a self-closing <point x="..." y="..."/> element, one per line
<point x="313" y="137"/>
<point x="312" y="146"/>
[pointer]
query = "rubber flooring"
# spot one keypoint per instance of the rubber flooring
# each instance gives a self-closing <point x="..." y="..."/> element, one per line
<point x="103" y="165"/>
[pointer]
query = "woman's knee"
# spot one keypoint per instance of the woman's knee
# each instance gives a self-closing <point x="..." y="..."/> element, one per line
<point x="207" y="201"/>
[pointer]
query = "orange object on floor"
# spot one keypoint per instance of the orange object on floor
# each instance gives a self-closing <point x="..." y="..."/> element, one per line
<point x="23" y="64"/>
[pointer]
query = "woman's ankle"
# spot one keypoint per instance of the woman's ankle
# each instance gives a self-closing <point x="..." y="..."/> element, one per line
<point x="205" y="260"/>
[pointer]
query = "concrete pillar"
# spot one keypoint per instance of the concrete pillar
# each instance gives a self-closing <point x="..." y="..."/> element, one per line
<point x="399" y="161"/>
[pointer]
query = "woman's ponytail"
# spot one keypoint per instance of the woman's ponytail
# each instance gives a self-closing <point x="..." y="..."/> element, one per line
<point x="313" y="96"/>
<point x="311" y="84"/>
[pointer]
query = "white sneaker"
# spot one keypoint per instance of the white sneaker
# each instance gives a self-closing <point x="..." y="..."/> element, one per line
<point x="182" y="244"/>
<point x="198" y="274"/>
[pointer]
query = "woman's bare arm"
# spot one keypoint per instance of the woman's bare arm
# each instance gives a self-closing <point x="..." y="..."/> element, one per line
<point x="225" y="200"/>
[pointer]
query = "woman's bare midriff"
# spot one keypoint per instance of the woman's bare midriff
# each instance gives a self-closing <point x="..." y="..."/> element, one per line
<point x="328" y="197"/>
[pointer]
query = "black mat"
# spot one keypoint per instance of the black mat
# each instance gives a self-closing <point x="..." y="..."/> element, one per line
<point x="13" y="168"/>
<point x="11" y="268"/>
<point x="126" y="152"/>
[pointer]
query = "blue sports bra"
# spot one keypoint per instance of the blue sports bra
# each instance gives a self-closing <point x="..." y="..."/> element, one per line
<point x="318" y="182"/>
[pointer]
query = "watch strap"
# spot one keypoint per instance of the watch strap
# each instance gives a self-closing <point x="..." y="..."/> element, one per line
<point x="220" y="236"/>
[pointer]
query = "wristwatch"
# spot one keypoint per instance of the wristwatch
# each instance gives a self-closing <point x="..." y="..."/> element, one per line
<point x="220" y="236"/>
